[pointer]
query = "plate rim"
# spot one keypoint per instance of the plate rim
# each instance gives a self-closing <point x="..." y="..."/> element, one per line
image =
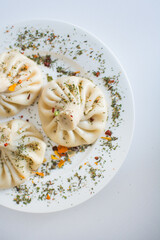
<point x="104" y="45"/>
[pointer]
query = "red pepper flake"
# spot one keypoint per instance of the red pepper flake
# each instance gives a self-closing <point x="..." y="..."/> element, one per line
<point x="54" y="148"/>
<point x="97" y="74"/>
<point x="6" y="144"/>
<point x="96" y="158"/>
<point x="20" y="81"/>
<point x="22" y="52"/>
<point x="71" y="116"/>
<point x="47" y="61"/>
<point x="53" y="109"/>
<point x="47" y="64"/>
<point x="91" y="119"/>
<point x="21" y="116"/>
<point x="28" y="96"/>
<point x="108" y="132"/>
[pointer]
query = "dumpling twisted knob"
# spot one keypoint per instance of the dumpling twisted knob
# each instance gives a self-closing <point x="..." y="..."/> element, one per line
<point x="70" y="117"/>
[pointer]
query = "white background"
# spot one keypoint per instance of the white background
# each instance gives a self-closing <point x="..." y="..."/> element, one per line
<point x="129" y="207"/>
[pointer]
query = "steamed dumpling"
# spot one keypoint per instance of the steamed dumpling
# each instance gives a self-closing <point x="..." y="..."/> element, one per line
<point x="21" y="152"/>
<point x="73" y="111"/>
<point x="20" y="82"/>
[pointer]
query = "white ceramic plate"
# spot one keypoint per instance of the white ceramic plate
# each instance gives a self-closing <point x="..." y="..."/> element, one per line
<point x="72" y="49"/>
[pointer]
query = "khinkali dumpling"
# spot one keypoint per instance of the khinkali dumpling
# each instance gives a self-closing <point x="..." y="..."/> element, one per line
<point x="20" y="82"/>
<point x="21" y="152"/>
<point x="73" y="111"/>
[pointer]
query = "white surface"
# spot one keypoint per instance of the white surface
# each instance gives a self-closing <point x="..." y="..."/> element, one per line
<point x="128" y="208"/>
<point x="124" y="131"/>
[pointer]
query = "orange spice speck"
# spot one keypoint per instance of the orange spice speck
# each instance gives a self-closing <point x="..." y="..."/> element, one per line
<point x="48" y="197"/>
<point x="25" y="67"/>
<point x="21" y="176"/>
<point x="111" y="81"/>
<point x="107" y="138"/>
<point x="40" y="174"/>
<point x="57" y="154"/>
<point x="97" y="74"/>
<point x="77" y="72"/>
<point x="62" y="149"/>
<point x="12" y="87"/>
<point x="54" y="158"/>
<point x="61" y="163"/>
